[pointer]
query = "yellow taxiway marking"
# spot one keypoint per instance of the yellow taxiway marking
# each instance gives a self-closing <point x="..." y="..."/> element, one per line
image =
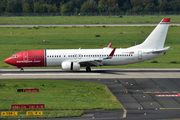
<point x="164" y="92"/>
<point x="9" y="113"/>
<point x="34" y="112"/>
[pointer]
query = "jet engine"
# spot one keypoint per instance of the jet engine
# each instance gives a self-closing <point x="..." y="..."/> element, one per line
<point x="70" y="66"/>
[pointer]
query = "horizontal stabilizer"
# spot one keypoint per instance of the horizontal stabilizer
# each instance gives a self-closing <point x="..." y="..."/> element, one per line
<point x="161" y="50"/>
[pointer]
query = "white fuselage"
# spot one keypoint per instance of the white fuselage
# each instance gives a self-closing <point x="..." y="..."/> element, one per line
<point x="121" y="56"/>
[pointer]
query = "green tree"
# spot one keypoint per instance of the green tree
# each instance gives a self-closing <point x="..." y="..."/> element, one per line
<point x="149" y="7"/>
<point x="136" y="3"/>
<point x="108" y="5"/>
<point x="175" y="5"/>
<point x="88" y="7"/>
<point x="54" y="7"/>
<point x="44" y="8"/>
<point x="67" y="7"/>
<point x="37" y="7"/>
<point x="10" y="6"/>
<point x="146" y="2"/>
<point x="51" y="8"/>
<point x="137" y="8"/>
<point x="3" y="4"/>
<point x="103" y="5"/>
<point x="164" y="6"/>
<point x="17" y="6"/>
<point x="26" y="7"/>
<point x="126" y="6"/>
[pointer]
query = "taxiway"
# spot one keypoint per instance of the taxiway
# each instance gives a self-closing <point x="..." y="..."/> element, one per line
<point x="95" y="73"/>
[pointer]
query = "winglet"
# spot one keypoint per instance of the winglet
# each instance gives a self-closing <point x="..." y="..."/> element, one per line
<point x="165" y="20"/>
<point x="110" y="44"/>
<point x="111" y="54"/>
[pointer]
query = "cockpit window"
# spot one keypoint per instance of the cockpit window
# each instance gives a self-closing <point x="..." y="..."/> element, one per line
<point x="14" y="56"/>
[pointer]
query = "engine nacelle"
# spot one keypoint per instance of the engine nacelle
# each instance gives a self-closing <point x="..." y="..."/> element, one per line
<point x="70" y="66"/>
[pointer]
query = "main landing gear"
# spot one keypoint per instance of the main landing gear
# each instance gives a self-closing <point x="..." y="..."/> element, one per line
<point x="22" y="69"/>
<point x="88" y="69"/>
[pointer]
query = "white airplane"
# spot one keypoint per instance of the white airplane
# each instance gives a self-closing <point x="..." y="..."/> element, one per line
<point x="73" y="59"/>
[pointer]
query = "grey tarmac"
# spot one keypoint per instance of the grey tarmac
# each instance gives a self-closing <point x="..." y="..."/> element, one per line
<point x="137" y="95"/>
<point x="95" y="73"/>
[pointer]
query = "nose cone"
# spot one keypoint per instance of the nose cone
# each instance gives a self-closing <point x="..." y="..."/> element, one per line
<point x="8" y="60"/>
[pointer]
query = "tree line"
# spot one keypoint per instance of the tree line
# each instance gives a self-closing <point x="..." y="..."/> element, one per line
<point x="77" y="6"/>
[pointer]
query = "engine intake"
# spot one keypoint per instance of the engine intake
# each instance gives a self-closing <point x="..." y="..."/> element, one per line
<point x="70" y="66"/>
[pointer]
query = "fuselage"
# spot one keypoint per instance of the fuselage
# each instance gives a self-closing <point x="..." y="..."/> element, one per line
<point x="41" y="58"/>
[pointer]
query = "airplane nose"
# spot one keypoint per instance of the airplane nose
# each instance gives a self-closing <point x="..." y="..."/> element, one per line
<point x="8" y="60"/>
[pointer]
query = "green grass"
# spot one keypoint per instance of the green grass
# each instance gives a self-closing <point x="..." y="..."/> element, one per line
<point x="88" y="19"/>
<point x="58" y="96"/>
<point x="85" y="37"/>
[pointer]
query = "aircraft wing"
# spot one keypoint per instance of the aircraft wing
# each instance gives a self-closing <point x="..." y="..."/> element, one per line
<point x="97" y="61"/>
<point x="161" y="50"/>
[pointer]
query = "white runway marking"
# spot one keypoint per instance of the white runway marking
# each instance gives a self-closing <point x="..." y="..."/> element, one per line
<point x="54" y="74"/>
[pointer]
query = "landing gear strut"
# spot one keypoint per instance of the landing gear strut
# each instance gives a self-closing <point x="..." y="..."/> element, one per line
<point x="88" y="69"/>
<point x="22" y="69"/>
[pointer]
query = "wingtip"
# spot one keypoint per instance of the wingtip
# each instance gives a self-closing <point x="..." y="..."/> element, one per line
<point x="110" y="44"/>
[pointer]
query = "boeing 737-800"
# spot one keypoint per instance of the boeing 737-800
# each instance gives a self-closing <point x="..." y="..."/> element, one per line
<point x="73" y="59"/>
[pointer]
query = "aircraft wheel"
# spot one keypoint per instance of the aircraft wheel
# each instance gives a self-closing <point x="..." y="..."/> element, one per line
<point x="21" y="69"/>
<point x="88" y="69"/>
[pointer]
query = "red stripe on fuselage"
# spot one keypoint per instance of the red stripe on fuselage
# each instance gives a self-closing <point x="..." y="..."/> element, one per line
<point x="32" y="58"/>
<point x="37" y="57"/>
